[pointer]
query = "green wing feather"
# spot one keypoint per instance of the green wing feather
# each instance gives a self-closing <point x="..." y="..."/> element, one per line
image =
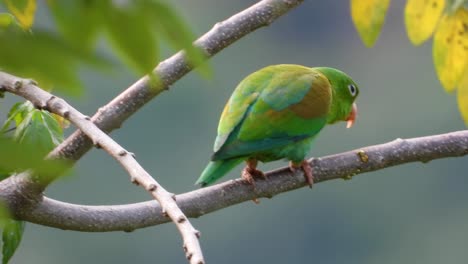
<point x="273" y="107"/>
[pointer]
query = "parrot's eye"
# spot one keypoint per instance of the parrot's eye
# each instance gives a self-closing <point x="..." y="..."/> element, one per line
<point x="352" y="89"/>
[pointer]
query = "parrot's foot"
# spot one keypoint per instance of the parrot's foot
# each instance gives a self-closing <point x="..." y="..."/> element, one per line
<point x="250" y="172"/>
<point x="306" y="168"/>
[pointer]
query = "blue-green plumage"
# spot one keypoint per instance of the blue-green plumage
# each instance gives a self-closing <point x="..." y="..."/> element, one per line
<point x="276" y="113"/>
<point x="217" y="169"/>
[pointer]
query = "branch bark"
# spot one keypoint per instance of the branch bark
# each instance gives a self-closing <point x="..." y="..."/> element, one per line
<point x="196" y="203"/>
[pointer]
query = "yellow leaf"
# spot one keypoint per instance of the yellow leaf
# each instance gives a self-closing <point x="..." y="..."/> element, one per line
<point x="462" y="98"/>
<point x="62" y="122"/>
<point x="368" y="17"/>
<point x="450" y="49"/>
<point x="421" y="17"/>
<point x="24" y="14"/>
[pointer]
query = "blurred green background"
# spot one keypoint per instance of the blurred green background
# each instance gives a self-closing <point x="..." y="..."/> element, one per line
<point x="416" y="213"/>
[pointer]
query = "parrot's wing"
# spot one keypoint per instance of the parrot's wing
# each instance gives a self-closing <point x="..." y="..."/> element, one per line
<point x="271" y="109"/>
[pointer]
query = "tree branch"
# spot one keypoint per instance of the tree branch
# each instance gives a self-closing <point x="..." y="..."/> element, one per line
<point x="199" y="202"/>
<point x="44" y="100"/>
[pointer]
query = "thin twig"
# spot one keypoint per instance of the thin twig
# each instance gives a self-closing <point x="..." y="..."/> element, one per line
<point x="199" y="202"/>
<point x="44" y="100"/>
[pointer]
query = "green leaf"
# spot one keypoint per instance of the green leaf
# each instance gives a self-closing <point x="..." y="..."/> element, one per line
<point x="10" y="117"/>
<point x="11" y="237"/>
<point x="82" y="34"/>
<point x="131" y="35"/>
<point x="6" y="20"/>
<point x="37" y="133"/>
<point x="177" y="33"/>
<point x="43" y="57"/>
<point x="4" y="215"/>
<point x="16" y="114"/>
<point x="37" y="128"/>
<point x="15" y="156"/>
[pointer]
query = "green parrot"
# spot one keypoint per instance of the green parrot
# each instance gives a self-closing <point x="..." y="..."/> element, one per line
<point x="276" y="113"/>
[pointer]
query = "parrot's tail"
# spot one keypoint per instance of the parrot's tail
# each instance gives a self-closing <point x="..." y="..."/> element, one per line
<point x="215" y="170"/>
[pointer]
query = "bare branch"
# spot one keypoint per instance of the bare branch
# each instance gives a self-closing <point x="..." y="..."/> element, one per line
<point x="138" y="175"/>
<point x="199" y="202"/>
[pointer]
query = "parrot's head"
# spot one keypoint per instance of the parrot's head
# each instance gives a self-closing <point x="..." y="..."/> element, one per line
<point x="344" y="92"/>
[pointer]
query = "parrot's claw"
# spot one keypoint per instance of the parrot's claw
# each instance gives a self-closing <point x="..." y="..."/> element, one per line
<point x="249" y="174"/>
<point x="307" y="171"/>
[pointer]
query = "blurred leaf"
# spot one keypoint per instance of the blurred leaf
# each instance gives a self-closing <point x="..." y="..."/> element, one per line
<point x="3" y="174"/>
<point x="15" y="156"/>
<point x="43" y="57"/>
<point x="450" y="49"/>
<point x="421" y="17"/>
<point x="176" y="31"/>
<point x="11" y="237"/>
<point x="4" y="215"/>
<point x="462" y="98"/>
<point x="67" y="14"/>
<point x="368" y="17"/>
<point x="454" y="5"/>
<point x="23" y="10"/>
<point x="131" y="34"/>
<point x="6" y="20"/>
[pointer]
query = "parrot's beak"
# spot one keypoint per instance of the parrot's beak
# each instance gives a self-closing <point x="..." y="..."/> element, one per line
<point x="352" y="116"/>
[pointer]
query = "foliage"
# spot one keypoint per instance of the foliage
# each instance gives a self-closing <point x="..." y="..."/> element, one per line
<point x="34" y="127"/>
<point x="134" y="28"/>
<point x="421" y="17"/>
<point x="369" y="16"/>
<point x="37" y="132"/>
<point x="23" y="10"/>
<point x="449" y="21"/>
<point x="11" y="238"/>
<point x="11" y="235"/>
